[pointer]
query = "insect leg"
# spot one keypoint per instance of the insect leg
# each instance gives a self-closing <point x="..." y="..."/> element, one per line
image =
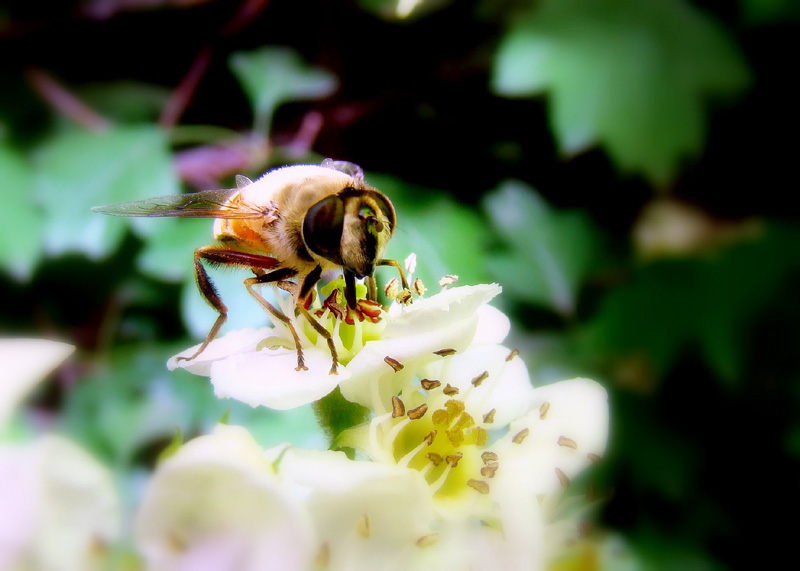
<point x="372" y="289"/>
<point x="395" y="264"/>
<point x="308" y="283"/>
<point x="220" y="256"/>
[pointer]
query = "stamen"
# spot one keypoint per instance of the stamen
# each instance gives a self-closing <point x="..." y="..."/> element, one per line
<point x="448" y="280"/>
<point x="520" y="436"/>
<point x="594" y="458"/>
<point x="543" y="410"/>
<point x="431" y="436"/>
<point x="450" y="390"/>
<point x="479" y="485"/>
<point x="445" y="352"/>
<point x="488" y="418"/>
<point x="440" y="417"/>
<point x="514" y="353"/>
<point x="405" y="460"/>
<point x="456" y="437"/>
<point x="404" y="297"/>
<point x="392" y="288"/>
<point x="429" y="384"/>
<point x="562" y="477"/>
<point x="419" y="412"/>
<point x="441" y="479"/>
<point x="481" y="436"/>
<point x="453" y="459"/>
<point x="567" y="442"/>
<point x="488" y="457"/>
<point x="489" y="470"/>
<point x="476" y="382"/>
<point x="393" y="363"/>
<point x="419" y="287"/>
<point x="435" y="458"/>
<point x="427" y="540"/>
<point x="398" y="408"/>
<point x="362" y="526"/>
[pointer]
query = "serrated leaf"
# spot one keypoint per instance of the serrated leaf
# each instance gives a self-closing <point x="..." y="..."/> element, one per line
<point x="629" y="75"/>
<point x="550" y="252"/>
<point x="77" y="170"/>
<point x="21" y="222"/>
<point x="274" y="75"/>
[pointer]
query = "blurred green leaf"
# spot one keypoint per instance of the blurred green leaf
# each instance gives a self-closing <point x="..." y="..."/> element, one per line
<point x="629" y="75"/>
<point x="760" y="12"/>
<point x="21" y="222"/>
<point x="126" y="101"/>
<point x="170" y="244"/>
<point x="78" y="169"/>
<point x="550" y="252"/>
<point x="271" y="76"/>
<point x="402" y="9"/>
<point x="447" y="237"/>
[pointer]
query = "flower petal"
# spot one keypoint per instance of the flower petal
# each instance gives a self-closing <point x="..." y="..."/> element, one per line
<point x="268" y="377"/>
<point x="239" y="341"/>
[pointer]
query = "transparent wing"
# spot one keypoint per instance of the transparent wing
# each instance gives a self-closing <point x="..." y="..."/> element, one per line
<point x="344" y="166"/>
<point x="224" y="203"/>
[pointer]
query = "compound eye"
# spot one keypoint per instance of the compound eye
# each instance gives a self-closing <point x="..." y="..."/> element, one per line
<point x="322" y="228"/>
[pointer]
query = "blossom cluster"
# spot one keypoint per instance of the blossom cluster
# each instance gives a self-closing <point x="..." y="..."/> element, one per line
<point x="453" y="458"/>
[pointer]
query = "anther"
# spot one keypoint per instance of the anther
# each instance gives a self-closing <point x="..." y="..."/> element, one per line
<point x="430" y="437"/>
<point x="419" y="412"/>
<point x="567" y="442"/>
<point x="363" y="526"/>
<point x="456" y="437"/>
<point x="419" y="287"/>
<point x="562" y="477"/>
<point x="323" y="556"/>
<point x="489" y="470"/>
<point x="393" y="363"/>
<point x="543" y="410"/>
<point x="488" y="418"/>
<point x="440" y="416"/>
<point x="520" y="436"/>
<point x="514" y="353"/>
<point x="453" y="459"/>
<point x="488" y="457"/>
<point x="429" y="384"/>
<point x="445" y="352"/>
<point x="448" y="280"/>
<point x="594" y="458"/>
<point x="404" y="297"/>
<point x="479" y="485"/>
<point x="392" y="288"/>
<point x="450" y="390"/>
<point x="476" y="382"/>
<point x="398" y="408"/>
<point x="481" y="436"/>
<point x="427" y="540"/>
<point x="435" y="458"/>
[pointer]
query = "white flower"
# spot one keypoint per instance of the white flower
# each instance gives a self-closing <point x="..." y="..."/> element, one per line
<point x="218" y="504"/>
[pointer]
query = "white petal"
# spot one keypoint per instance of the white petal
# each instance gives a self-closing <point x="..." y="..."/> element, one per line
<point x="217" y="500"/>
<point x="268" y="377"/>
<point x="25" y="363"/>
<point x="493" y="326"/>
<point x="576" y="410"/>
<point x="239" y="341"/>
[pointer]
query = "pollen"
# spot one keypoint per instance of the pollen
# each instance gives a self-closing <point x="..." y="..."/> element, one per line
<point x="476" y="382"/>
<point x="489" y="470"/>
<point x="488" y="457"/>
<point x="392" y="288"/>
<point x="435" y="458"/>
<point x="453" y="459"/>
<point x="419" y="287"/>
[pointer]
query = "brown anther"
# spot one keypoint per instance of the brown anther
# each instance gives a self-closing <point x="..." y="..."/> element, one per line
<point x="332" y="303"/>
<point x="448" y="280"/>
<point x="593" y="458"/>
<point x="520" y="436"/>
<point x="562" y="477"/>
<point x="440" y="416"/>
<point x="419" y="412"/>
<point x="489" y="470"/>
<point x="450" y="390"/>
<point x="543" y="410"/>
<point x="456" y="437"/>
<point x="479" y="485"/>
<point x="404" y="297"/>
<point x="429" y="384"/>
<point x="453" y="459"/>
<point x="488" y="457"/>
<point x="392" y="288"/>
<point x="476" y="382"/>
<point x="488" y="418"/>
<point x="398" y="408"/>
<point x="445" y="352"/>
<point x="435" y="458"/>
<point x="514" y="353"/>
<point x="393" y="363"/>
<point x="430" y="437"/>
<point x="567" y="442"/>
<point x="481" y="436"/>
<point x="427" y="540"/>
<point x="362" y="526"/>
<point x="370" y="309"/>
<point x="323" y="557"/>
<point x="419" y="287"/>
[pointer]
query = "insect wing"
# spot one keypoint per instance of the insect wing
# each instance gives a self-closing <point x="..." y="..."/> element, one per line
<point x="224" y="203"/>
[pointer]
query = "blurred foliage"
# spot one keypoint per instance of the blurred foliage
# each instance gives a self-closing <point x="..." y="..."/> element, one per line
<point x="521" y="142"/>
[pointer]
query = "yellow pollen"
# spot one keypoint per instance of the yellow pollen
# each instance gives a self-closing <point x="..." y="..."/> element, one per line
<point x="456" y="437"/>
<point x="430" y="437"/>
<point x="435" y="458"/>
<point x="419" y="287"/>
<point x="440" y="417"/>
<point x="454" y="407"/>
<point x="520" y="436"/>
<point x="476" y="382"/>
<point x="481" y="436"/>
<point x="464" y="421"/>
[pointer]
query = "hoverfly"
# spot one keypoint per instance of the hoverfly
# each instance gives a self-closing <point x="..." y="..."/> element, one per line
<point x="289" y="227"/>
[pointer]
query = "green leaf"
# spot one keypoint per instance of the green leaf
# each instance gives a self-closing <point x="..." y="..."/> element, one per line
<point x="550" y="252"/>
<point x="21" y="222"/>
<point x="629" y="75"/>
<point x="77" y="170"/>
<point x="271" y="76"/>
